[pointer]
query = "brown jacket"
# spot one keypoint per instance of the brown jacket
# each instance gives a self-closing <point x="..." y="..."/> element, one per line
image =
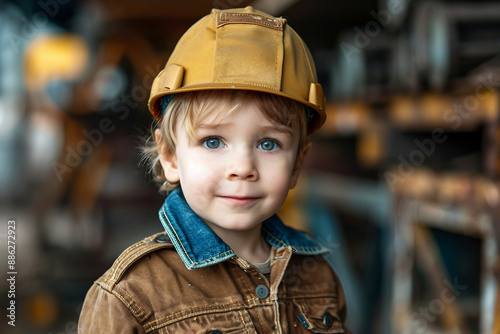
<point x="149" y="290"/>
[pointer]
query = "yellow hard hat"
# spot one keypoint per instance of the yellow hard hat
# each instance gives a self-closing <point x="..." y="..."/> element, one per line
<point x="242" y="49"/>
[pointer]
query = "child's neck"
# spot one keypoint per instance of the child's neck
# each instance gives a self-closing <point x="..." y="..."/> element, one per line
<point x="248" y="245"/>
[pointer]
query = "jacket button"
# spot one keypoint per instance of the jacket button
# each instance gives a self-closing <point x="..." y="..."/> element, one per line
<point x="262" y="291"/>
<point x="162" y="239"/>
<point x="327" y="320"/>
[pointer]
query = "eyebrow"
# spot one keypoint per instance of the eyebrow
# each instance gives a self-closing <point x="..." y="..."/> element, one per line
<point x="279" y="128"/>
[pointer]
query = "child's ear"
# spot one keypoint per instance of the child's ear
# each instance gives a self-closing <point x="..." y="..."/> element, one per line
<point x="301" y="156"/>
<point x="168" y="160"/>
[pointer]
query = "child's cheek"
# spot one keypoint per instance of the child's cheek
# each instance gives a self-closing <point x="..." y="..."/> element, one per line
<point x="202" y="181"/>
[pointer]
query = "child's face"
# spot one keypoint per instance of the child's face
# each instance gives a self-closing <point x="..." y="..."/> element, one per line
<point x="237" y="170"/>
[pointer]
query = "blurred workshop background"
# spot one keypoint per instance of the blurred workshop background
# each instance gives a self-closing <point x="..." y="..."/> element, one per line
<point x="402" y="183"/>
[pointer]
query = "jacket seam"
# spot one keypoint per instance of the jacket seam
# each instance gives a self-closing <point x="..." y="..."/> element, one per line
<point x="176" y="236"/>
<point x="122" y="300"/>
<point x="126" y="298"/>
<point x="116" y="266"/>
<point x="242" y="317"/>
<point x="310" y="295"/>
<point x="125" y="260"/>
<point x="249" y="292"/>
<point x="192" y="312"/>
<point x="173" y="318"/>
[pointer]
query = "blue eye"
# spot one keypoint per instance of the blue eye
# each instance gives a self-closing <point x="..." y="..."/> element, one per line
<point x="268" y="145"/>
<point x="213" y="143"/>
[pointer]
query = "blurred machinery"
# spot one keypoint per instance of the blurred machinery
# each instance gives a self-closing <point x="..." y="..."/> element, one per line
<point x="450" y="39"/>
<point x="440" y="42"/>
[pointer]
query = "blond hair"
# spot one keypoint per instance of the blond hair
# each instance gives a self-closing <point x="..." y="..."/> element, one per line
<point x="197" y="106"/>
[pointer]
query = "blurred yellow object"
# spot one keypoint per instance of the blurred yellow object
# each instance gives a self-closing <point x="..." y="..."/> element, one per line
<point x="489" y="104"/>
<point x="41" y="309"/>
<point x="54" y="57"/>
<point x="371" y="146"/>
<point x="346" y="117"/>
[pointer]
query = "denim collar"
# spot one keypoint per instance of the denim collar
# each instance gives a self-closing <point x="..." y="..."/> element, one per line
<point x="198" y="246"/>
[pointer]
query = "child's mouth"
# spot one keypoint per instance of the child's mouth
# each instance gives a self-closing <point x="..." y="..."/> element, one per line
<point x="239" y="200"/>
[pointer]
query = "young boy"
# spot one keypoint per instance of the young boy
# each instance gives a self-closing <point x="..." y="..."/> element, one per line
<point x="235" y="104"/>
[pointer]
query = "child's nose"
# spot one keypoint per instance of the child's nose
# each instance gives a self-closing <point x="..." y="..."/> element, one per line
<point x="243" y="168"/>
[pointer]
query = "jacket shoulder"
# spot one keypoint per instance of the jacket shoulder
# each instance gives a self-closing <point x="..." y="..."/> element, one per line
<point x="132" y="255"/>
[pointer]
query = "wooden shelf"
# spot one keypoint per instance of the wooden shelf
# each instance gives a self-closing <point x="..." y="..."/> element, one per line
<point x="449" y="112"/>
<point x="458" y="189"/>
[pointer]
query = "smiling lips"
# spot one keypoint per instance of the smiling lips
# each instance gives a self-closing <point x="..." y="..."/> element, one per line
<point x="239" y="200"/>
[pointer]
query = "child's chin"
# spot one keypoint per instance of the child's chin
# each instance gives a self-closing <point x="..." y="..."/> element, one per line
<point x="238" y="225"/>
